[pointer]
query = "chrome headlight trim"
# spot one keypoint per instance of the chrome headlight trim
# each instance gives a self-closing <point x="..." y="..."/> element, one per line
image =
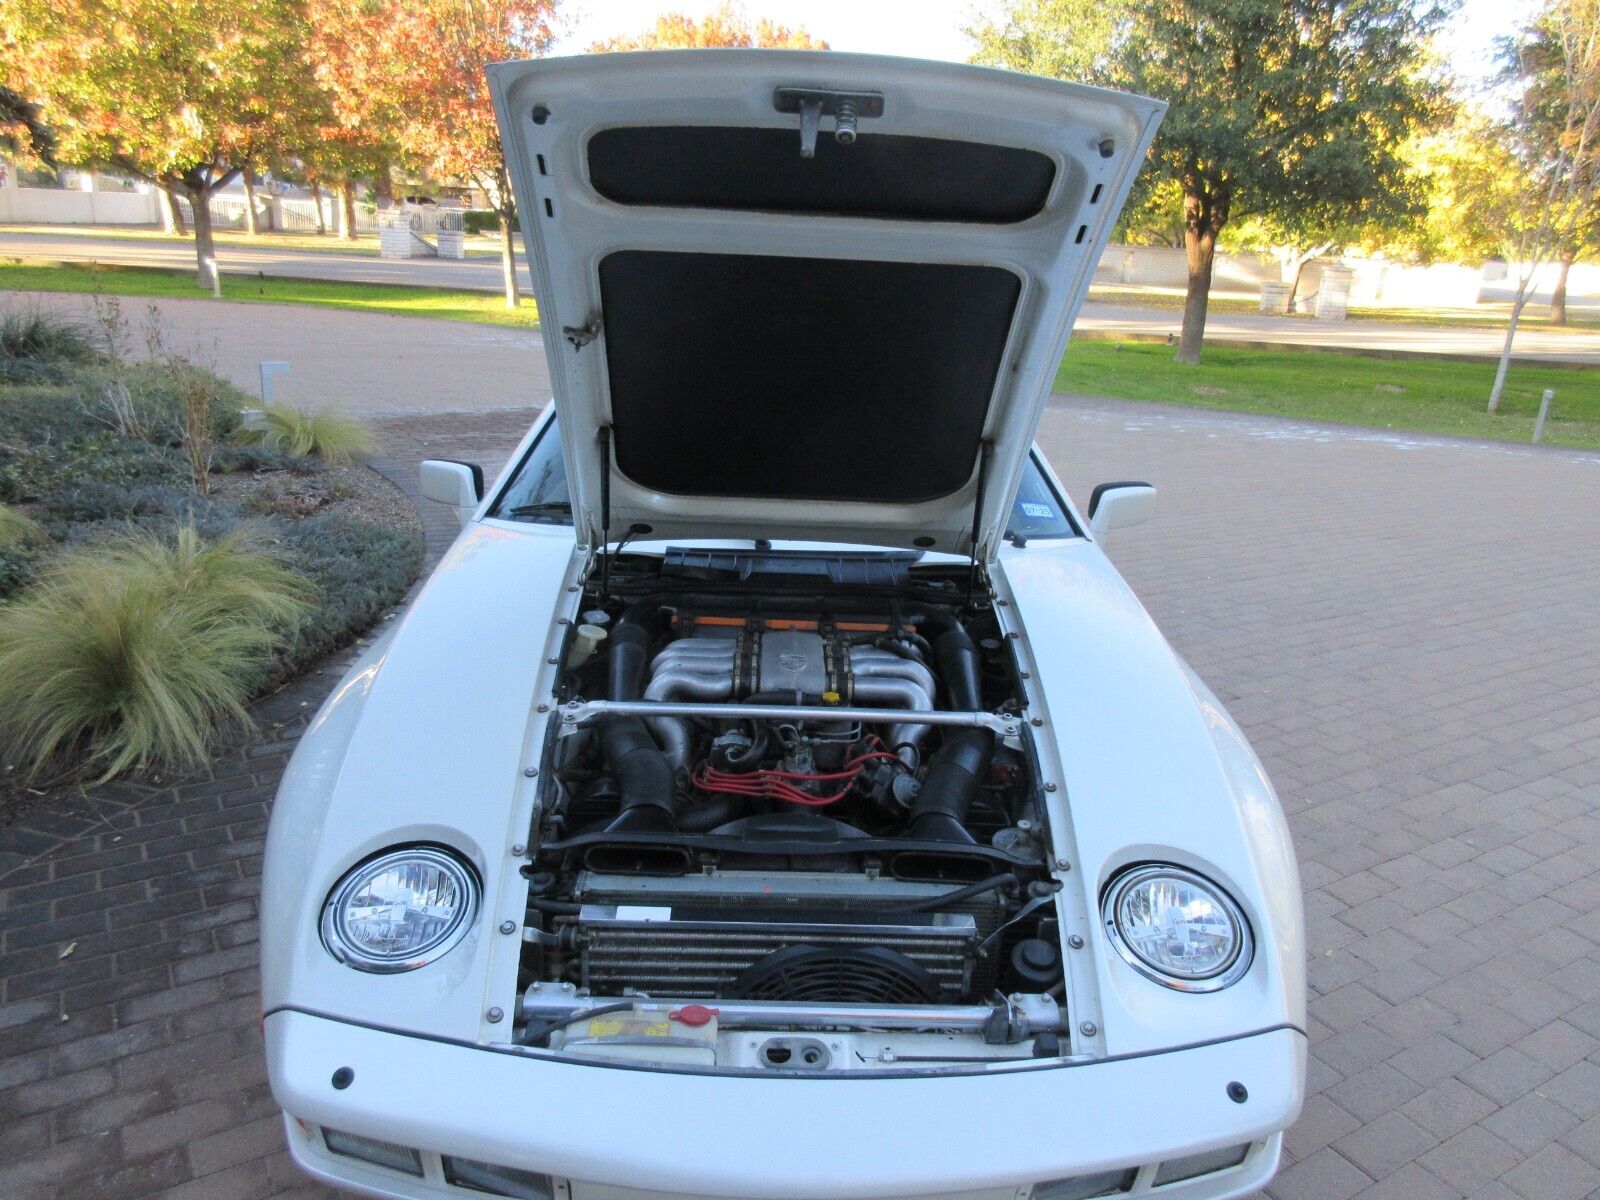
<point x="335" y="910"/>
<point x="1230" y="972"/>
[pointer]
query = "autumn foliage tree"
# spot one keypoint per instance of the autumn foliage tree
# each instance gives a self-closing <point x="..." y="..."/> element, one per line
<point x="350" y="128"/>
<point x="23" y="134"/>
<point x="180" y="93"/>
<point x="428" y="66"/>
<point x="723" y="27"/>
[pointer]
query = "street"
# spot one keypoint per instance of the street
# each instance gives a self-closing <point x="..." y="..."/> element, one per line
<point x="483" y="274"/>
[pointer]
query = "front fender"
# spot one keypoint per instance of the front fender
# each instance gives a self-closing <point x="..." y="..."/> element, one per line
<point x="1267" y="830"/>
<point x="300" y="809"/>
<point x="429" y="738"/>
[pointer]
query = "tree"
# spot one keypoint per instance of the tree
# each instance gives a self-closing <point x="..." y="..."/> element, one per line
<point x="1554" y="65"/>
<point x="179" y="93"/>
<point x="353" y="125"/>
<point x="426" y="58"/>
<point x="1291" y="109"/>
<point x="1063" y="39"/>
<point x="1585" y="238"/>
<point x="725" y="26"/>
<point x="1153" y="216"/>
<point x="1524" y="190"/>
<point x="23" y="134"/>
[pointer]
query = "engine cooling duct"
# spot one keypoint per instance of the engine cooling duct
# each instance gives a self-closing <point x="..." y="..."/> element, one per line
<point x="961" y="763"/>
<point x="642" y="772"/>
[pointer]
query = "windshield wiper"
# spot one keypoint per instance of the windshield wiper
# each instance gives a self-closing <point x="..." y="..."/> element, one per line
<point x="545" y="508"/>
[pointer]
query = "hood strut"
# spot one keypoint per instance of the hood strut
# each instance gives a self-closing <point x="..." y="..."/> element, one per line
<point x="985" y="452"/>
<point x="605" y="510"/>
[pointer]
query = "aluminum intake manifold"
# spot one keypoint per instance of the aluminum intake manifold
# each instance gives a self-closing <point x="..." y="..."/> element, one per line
<point x="788" y="662"/>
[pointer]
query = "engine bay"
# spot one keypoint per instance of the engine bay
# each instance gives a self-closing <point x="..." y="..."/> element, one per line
<point x="790" y="819"/>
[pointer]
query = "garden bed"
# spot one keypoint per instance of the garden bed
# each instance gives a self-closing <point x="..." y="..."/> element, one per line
<point x="117" y="476"/>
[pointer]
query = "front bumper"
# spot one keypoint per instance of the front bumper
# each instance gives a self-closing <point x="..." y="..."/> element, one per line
<point x="854" y="1136"/>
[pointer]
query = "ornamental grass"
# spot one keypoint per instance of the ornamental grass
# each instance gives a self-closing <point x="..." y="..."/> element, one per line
<point x="131" y="653"/>
<point x="329" y="435"/>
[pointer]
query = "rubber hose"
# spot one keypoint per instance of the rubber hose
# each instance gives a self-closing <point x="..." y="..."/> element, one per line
<point x="961" y="764"/>
<point x="635" y="761"/>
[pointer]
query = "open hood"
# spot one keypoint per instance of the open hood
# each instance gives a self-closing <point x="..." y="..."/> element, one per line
<point x="807" y="295"/>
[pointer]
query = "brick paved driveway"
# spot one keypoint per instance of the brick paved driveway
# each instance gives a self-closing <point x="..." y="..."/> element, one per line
<point x="1407" y="629"/>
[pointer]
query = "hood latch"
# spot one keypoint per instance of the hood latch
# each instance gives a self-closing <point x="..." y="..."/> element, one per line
<point x="846" y="108"/>
<point x="581" y="335"/>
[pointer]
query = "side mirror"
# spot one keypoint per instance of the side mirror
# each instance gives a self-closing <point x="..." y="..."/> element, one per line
<point x="458" y="484"/>
<point x="1120" y="506"/>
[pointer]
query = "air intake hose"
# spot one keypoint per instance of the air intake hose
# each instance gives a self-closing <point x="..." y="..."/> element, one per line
<point x="640" y="768"/>
<point x="960" y="765"/>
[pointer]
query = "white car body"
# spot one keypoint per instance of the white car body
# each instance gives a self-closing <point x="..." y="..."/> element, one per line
<point x="449" y="729"/>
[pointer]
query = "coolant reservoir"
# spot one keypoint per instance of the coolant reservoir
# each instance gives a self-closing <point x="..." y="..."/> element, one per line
<point x="651" y="1033"/>
<point x="585" y="640"/>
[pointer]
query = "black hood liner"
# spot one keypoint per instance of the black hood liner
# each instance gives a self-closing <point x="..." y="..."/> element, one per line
<point x="801" y="378"/>
<point x="893" y="176"/>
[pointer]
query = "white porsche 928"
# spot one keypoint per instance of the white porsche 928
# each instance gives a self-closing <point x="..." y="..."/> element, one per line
<point x="775" y="792"/>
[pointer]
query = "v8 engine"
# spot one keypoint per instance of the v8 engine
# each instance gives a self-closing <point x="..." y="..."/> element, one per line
<point x="820" y="802"/>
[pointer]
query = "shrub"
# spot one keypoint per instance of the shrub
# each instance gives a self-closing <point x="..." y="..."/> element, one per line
<point x="17" y="527"/>
<point x="39" y="412"/>
<point x="149" y="401"/>
<point x="93" y="500"/>
<point x="361" y="570"/>
<point x="485" y="220"/>
<point x="33" y="469"/>
<point x="329" y="435"/>
<point x="18" y="566"/>
<point x="130" y="654"/>
<point x="22" y="541"/>
<point x="42" y="346"/>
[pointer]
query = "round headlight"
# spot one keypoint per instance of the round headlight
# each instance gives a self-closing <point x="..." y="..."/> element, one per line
<point x="400" y="910"/>
<point x="1177" y="928"/>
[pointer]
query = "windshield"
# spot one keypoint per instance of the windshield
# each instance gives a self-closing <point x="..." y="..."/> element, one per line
<point x="1037" y="512"/>
<point x="538" y="490"/>
<point x="538" y="493"/>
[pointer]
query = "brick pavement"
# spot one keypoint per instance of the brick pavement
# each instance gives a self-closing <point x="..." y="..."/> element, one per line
<point x="1406" y="628"/>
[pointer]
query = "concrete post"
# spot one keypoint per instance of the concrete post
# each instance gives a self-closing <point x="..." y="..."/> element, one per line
<point x="1275" y="298"/>
<point x="270" y="371"/>
<point x="86" y="186"/>
<point x="1333" y="293"/>
<point x="1544" y="411"/>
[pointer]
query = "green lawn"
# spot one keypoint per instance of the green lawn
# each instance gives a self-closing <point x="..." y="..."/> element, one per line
<point x="486" y="308"/>
<point x="1428" y="395"/>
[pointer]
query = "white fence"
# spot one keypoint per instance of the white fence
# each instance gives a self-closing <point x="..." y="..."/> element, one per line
<point x="286" y="214"/>
<point x="1374" y="281"/>
<point x="74" y="206"/>
<point x="1161" y="266"/>
<point x="91" y="201"/>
